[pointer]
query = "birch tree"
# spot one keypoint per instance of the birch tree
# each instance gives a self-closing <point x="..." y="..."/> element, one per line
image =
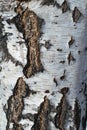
<point x="43" y="64"/>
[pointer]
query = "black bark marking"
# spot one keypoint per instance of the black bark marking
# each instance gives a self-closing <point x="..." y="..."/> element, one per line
<point x="55" y="81"/>
<point x="64" y="90"/>
<point x="77" y="114"/>
<point x="63" y="76"/>
<point x="70" y="58"/>
<point x="28" y="116"/>
<point x="84" y="122"/>
<point x="50" y="2"/>
<point x="70" y="43"/>
<point x="47" y="2"/>
<point x="64" y="6"/>
<point x="47" y="91"/>
<point x="48" y="44"/>
<point x="76" y="14"/>
<point x="79" y="52"/>
<point x="62" y="61"/>
<point x="60" y="50"/>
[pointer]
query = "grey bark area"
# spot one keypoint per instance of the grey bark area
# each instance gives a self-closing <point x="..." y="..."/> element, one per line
<point x="43" y="64"/>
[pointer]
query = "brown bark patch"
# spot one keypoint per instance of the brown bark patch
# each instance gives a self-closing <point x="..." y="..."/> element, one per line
<point x="41" y="121"/>
<point x="30" y="25"/>
<point x="60" y="117"/>
<point x="32" y="34"/>
<point x="16" y="103"/>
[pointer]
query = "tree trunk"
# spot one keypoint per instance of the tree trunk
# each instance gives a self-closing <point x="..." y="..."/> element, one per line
<point x="43" y="64"/>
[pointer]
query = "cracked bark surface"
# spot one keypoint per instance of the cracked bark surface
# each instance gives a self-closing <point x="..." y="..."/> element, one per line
<point x="48" y="90"/>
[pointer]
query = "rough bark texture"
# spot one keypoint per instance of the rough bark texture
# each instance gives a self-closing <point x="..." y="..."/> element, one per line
<point x="43" y="65"/>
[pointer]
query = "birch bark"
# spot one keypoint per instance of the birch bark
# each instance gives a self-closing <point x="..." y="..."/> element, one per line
<point x="43" y="65"/>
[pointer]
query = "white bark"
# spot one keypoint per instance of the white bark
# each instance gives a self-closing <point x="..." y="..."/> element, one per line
<point x="58" y="29"/>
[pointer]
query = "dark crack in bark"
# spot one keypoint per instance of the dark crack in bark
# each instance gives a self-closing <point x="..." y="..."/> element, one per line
<point x="16" y="104"/>
<point x="77" y="114"/>
<point x="62" y="108"/>
<point x="30" y="25"/>
<point x="76" y="14"/>
<point x="41" y="121"/>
